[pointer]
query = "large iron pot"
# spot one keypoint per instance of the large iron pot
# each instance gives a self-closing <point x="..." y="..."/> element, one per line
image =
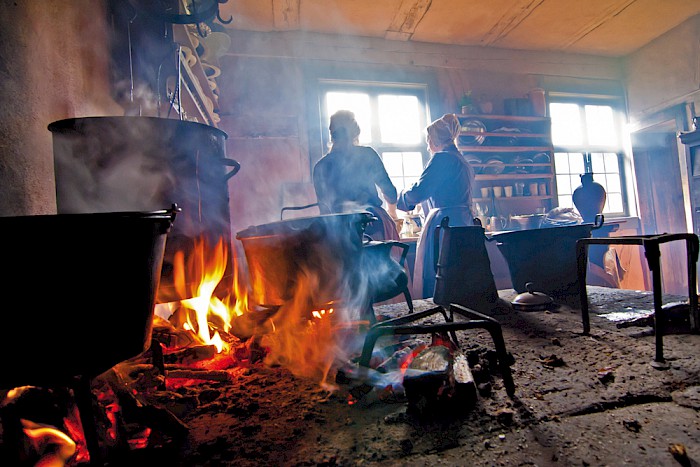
<point x="325" y="250"/>
<point x="115" y="163"/>
<point x="83" y="288"/>
<point x="546" y="257"/>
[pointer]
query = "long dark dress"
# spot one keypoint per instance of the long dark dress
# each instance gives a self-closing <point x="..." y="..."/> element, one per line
<point x="444" y="188"/>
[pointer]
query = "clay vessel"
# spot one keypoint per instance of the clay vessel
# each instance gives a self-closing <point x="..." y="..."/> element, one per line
<point x="589" y="198"/>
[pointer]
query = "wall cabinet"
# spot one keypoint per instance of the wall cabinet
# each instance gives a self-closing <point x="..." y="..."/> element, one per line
<point x="512" y="157"/>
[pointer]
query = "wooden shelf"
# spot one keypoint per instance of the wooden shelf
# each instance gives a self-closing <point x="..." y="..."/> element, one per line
<point x="507" y="118"/>
<point x="510" y="143"/>
<point x="503" y="149"/>
<point x="509" y="177"/>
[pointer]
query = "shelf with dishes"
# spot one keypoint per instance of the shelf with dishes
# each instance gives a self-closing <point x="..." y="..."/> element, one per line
<point x="484" y="132"/>
<point x="512" y="198"/>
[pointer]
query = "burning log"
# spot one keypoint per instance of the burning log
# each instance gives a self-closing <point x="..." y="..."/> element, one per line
<point x="192" y="373"/>
<point x="439" y="378"/>
<point x="136" y="410"/>
<point x="190" y="355"/>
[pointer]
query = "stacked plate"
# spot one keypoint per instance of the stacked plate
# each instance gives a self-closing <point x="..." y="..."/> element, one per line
<point x="474" y="159"/>
<point x="472" y="125"/>
<point x="494" y="166"/>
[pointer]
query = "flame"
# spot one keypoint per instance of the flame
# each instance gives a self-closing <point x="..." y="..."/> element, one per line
<point x="300" y="335"/>
<point x="206" y="267"/>
<point x="53" y="446"/>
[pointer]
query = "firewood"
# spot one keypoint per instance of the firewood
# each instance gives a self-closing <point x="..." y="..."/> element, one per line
<point x="135" y="409"/>
<point x="190" y="373"/>
<point x="439" y="378"/>
<point x="425" y="378"/>
<point x="465" y="391"/>
<point x="190" y="355"/>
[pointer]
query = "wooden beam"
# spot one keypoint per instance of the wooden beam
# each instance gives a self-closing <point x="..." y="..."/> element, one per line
<point x="598" y="21"/>
<point x="512" y="17"/>
<point x="285" y="14"/>
<point x="406" y="19"/>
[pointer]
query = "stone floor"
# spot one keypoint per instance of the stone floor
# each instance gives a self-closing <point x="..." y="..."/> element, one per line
<point x="589" y="400"/>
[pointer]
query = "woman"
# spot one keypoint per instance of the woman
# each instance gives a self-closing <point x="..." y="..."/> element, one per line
<point x="347" y="177"/>
<point x="444" y="189"/>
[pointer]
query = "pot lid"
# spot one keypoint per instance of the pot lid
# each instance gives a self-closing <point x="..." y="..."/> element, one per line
<point x="531" y="300"/>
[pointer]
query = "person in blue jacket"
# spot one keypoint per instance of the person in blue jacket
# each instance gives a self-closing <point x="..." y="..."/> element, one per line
<point x="443" y="189"/>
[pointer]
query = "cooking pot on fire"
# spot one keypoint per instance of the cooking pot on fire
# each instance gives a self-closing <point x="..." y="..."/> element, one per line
<point x="324" y="250"/>
<point x="134" y="163"/>
<point x="84" y="287"/>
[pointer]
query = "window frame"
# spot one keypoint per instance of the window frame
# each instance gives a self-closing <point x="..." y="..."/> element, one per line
<point x="620" y="149"/>
<point x="373" y="89"/>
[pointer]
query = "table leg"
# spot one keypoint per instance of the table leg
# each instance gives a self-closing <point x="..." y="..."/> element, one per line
<point x="692" y="247"/>
<point x="653" y="255"/>
<point x="582" y="266"/>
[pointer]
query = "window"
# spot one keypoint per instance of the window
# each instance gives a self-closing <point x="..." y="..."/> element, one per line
<point x="392" y="120"/>
<point x="587" y="137"/>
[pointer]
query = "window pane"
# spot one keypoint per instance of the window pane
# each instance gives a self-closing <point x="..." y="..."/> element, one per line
<point x="564" y="185"/>
<point x="569" y="163"/>
<point x="613" y="183"/>
<point x="565" y="202"/>
<point x="612" y="162"/>
<point x="614" y="203"/>
<point x="566" y="124"/>
<point x="413" y="163"/>
<point x="403" y="166"/>
<point x="359" y="104"/>
<point x="597" y="163"/>
<point x="600" y="125"/>
<point x="561" y="162"/>
<point x="393" y="163"/>
<point x="399" y="119"/>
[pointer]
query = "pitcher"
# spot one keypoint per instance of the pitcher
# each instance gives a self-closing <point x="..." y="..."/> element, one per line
<point x="496" y="223"/>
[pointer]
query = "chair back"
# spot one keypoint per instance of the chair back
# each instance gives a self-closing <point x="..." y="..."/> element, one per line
<point x="464" y="274"/>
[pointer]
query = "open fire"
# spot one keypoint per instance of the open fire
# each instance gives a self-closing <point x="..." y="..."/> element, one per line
<point x="207" y="338"/>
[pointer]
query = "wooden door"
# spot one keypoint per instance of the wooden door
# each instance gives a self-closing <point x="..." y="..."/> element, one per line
<point x="661" y="201"/>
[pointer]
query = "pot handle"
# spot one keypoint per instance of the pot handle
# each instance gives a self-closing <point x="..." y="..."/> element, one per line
<point x="231" y="163"/>
<point x="598" y="222"/>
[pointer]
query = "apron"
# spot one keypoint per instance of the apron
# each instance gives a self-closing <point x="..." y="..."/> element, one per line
<point x="424" y="269"/>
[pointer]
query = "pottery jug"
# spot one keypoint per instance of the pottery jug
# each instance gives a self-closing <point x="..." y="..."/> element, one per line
<point x="589" y="198"/>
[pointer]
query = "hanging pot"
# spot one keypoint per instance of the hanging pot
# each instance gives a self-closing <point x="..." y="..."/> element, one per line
<point x="531" y="300"/>
<point x="114" y="163"/>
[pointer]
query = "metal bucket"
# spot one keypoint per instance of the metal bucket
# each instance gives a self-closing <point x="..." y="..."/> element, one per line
<point x="84" y="286"/>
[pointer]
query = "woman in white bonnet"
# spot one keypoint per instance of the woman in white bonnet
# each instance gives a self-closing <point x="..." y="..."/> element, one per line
<point x="444" y="189"/>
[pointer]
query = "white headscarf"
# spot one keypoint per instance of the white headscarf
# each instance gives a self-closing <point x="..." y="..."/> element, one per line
<point x="444" y="130"/>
